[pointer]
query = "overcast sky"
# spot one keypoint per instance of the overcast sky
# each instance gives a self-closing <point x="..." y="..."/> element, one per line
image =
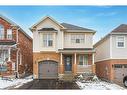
<point x="103" y="19"/>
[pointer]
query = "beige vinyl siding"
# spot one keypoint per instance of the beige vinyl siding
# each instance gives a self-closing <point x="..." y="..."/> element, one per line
<point x="36" y="41"/>
<point x="103" y="50"/>
<point x="88" y="37"/>
<point x="57" y="38"/>
<point x="119" y="53"/>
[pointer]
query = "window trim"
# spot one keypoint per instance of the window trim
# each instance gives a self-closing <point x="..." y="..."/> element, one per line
<point x="3" y="34"/>
<point x="5" y="55"/>
<point x="47" y="39"/>
<point x="119" y="41"/>
<point x="84" y="60"/>
<point x="73" y="40"/>
<point x="9" y="34"/>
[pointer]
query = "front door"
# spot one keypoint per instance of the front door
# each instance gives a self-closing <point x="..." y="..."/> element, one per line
<point x="68" y="62"/>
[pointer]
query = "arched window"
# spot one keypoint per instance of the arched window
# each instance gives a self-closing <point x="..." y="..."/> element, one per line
<point x="1" y="31"/>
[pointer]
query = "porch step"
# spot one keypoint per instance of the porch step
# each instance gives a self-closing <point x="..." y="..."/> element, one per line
<point x="67" y="77"/>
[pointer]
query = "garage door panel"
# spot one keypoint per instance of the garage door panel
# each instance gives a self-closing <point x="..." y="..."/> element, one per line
<point x="119" y="72"/>
<point x="48" y="69"/>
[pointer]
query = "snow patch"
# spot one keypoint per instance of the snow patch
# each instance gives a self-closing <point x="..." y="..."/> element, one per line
<point x="15" y="82"/>
<point x="98" y="85"/>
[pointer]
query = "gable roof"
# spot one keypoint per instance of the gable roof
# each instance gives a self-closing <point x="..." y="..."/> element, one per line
<point x="8" y="20"/>
<point x="121" y="28"/>
<point x="74" y="27"/>
<point x="14" y="24"/>
<point x="118" y="30"/>
<point x="47" y="17"/>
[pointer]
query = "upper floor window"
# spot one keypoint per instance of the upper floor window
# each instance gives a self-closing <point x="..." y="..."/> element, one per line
<point x="48" y="40"/>
<point x="9" y="33"/>
<point x="120" y="41"/>
<point x="83" y="59"/>
<point x="1" y="31"/>
<point x="77" y="38"/>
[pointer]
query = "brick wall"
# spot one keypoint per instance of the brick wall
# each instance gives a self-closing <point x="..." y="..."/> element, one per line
<point x="104" y="69"/>
<point x="25" y="45"/>
<point x="37" y="57"/>
<point x="26" y="50"/>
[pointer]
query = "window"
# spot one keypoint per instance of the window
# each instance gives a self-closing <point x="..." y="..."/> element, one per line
<point x="3" y="56"/>
<point x="1" y="31"/>
<point x="83" y="59"/>
<point x="48" y="40"/>
<point x="9" y="33"/>
<point x="77" y="38"/>
<point x="120" y="42"/>
<point x="117" y="66"/>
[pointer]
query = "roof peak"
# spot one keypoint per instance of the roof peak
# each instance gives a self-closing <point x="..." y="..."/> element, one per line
<point x="8" y="20"/>
<point x="120" y="28"/>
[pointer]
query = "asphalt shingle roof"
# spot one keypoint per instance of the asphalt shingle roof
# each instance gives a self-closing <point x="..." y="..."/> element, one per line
<point x="47" y="29"/>
<point x="121" y="28"/>
<point x="74" y="27"/>
<point x="8" y="20"/>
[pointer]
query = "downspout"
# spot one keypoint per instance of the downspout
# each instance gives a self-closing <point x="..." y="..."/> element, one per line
<point x="17" y="61"/>
<point x="17" y="58"/>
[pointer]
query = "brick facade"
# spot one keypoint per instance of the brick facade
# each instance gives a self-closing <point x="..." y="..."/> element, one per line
<point x="24" y="45"/>
<point x="37" y="57"/>
<point x="104" y="69"/>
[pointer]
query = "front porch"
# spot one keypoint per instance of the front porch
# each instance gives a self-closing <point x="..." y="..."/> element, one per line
<point x="7" y="60"/>
<point x="77" y="62"/>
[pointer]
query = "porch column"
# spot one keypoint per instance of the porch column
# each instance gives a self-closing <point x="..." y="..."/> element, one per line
<point x="9" y="53"/>
<point x="75" y="58"/>
<point x="93" y="58"/>
<point x="61" y="63"/>
<point x="93" y="65"/>
<point x="75" y="65"/>
<point x="61" y="57"/>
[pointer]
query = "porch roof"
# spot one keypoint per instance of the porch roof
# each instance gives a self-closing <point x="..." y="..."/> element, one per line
<point x="77" y="50"/>
<point x="47" y="29"/>
<point x="7" y="42"/>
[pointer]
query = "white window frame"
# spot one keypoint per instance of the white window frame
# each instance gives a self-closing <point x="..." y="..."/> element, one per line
<point x="119" y="41"/>
<point x="74" y="37"/>
<point x="9" y="34"/>
<point x="2" y="34"/>
<point x="47" y="39"/>
<point x="84" y="64"/>
<point x="4" y="56"/>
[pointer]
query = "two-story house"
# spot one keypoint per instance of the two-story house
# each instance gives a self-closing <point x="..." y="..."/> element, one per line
<point x="61" y="48"/>
<point x="15" y="49"/>
<point x="111" y="55"/>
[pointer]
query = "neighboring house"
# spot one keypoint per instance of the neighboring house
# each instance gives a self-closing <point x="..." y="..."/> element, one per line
<point x="15" y="49"/>
<point x="111" y="55"/>
<point x="61" y="49"/>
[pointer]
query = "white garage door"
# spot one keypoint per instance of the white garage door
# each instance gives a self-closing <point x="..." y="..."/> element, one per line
<point x="48" y="69"/>
<point x="120" y="70"/>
